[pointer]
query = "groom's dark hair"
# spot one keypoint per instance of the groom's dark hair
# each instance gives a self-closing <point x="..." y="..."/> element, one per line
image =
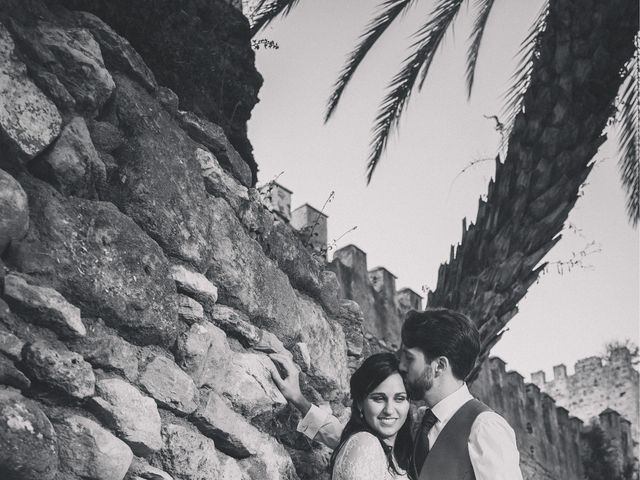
<point x="440" y="332"/>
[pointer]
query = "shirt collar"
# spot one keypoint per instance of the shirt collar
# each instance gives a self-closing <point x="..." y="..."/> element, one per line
<point x="449" y="405"/>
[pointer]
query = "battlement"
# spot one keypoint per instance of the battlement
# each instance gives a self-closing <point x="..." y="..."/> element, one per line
<point x="547" y="434"/>
<point x="599" y="388"/>
<point x="383" y="306"/>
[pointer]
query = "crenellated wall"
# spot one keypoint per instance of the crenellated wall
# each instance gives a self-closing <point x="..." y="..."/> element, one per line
<point x="598" y="384"/>
<point x="548" y="438"/>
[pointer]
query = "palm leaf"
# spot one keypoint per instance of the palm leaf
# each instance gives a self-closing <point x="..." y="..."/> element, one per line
<point x="527" y="55"/>
<point x="389" y="11"/>
<point x="267" y="10"/>
<point x="483" y="8"/>
<point x="428" y="39"/>
<point x="629" y="136"/>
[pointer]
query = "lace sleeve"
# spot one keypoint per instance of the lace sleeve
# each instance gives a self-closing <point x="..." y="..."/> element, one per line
<point x="361" y="458"/>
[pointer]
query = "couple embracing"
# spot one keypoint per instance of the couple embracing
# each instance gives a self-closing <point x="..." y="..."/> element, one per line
<point x="456" y="437"/>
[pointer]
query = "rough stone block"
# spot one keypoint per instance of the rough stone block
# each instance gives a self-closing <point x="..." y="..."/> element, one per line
<point x="168" y="99"/>
<point x="133" y="416"/>
<point x="89" y="451"/>
<point x="64" y="50"/>
<point x="11" y="345"/>
<point x="100" y="260"/>
<point x="219" y="183"/>
<point x="243" y="378"/>
<point x="237" y="325"/>
<point x="44" y="306"/>
<point x="105" y="136"/>
<point x="194" y="284"/>
<point x="107" y="351"/>
<point x="174" y="213"/>
<point x="246" y="278"/>
<point x="169" y="385"/>
<point x="189" y="310"/>
<point x="232" y="434"/>
<point x="118" y="53"/>
<point x="141" y="470"/>
<point x="28" y="443"/>
<point x="63" y="370"/>
<point x="14" y="210"/>
<point x="72" y="165"/>
<point x="212" y="136"/>
<point x="230" y="469"/>
<point x="10" y="375"/>
<point x="27" y="117"/>
<point x="186" y="454"/>
<point x="301" y="356"/>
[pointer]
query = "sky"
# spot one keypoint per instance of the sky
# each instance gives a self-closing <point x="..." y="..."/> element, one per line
<point x="411" y="213"/>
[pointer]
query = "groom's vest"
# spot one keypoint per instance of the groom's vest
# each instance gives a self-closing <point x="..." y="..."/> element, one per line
<point x="448" y="459"/>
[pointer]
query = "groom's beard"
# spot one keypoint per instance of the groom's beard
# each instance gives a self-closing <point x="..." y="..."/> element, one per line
<point x="421" y="385"/>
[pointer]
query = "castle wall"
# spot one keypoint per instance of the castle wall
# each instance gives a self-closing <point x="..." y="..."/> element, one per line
<point x="596" y="385"/>
<point x="548" y="438"/>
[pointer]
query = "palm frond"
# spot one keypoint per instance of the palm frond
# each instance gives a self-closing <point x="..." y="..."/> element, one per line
<point x="389" y="11"/>
<point x="629" y="136"/>
<point x="483" y="9"/>
<point x="428" y="39"/>
<point x="442" y="20"/>
<point x="267" y="10"/>
<point x="527" y="55"/>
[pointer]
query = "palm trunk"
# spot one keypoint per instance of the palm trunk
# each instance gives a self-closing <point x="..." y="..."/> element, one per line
<point x="573" y="86"/>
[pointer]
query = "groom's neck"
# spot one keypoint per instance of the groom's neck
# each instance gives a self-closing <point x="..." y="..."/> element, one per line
<point x="441" y="390"/>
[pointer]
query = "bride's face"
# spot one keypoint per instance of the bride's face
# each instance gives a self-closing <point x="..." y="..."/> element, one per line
<point x="385" y="409"/>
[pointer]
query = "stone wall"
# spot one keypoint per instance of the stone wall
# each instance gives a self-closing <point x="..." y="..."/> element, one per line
<point x="548" y="437"/>
<point x="598" y="384"/>
<point x="142" y="280"/>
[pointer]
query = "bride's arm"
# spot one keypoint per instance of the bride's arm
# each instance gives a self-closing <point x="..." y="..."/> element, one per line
<point x="318" y="424"/>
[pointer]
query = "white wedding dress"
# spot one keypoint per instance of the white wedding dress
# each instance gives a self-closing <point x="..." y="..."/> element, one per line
<point x="362" y="458"/>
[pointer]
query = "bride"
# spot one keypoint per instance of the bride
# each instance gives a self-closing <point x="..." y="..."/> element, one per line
<point x="376" y="442"/>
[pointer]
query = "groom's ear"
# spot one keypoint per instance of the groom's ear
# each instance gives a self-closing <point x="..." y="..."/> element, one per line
<point x="442" y="365"/>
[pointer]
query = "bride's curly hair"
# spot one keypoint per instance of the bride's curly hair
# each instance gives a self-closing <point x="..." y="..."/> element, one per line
<point x="373" y="371"/>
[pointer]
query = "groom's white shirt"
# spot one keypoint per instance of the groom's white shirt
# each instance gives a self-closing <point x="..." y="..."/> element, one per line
<point x="492" y="442"/>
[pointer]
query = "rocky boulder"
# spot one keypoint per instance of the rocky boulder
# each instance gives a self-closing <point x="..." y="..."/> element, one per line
<point x="118" y="53"/>
<point x="14" y="209"/>
<point x="133" y="416"/>
<point x="187" y="454"/>
<point x="74" y="57"/>
<point x="63" y="370"/>
<point x="72" y="165"/>
<point x="243" y="378"/>
<point x="44" y="306"/>
<point x="11" y="376"/>
<point x="28" y="119"/>
<point x="89" y="451"/>
<point x="101" y="261"/>
<point x="194" y="284"/>
<point x="231" y="432"/>
<point x="28" y="443"/>
<point x="105" y="350"/>
<point x="174" y="213"/>
<point x="169" y="385"/>
<point x="212" y="136"/>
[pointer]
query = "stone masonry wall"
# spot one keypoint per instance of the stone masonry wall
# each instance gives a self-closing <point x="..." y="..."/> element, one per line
<point x="548" y="437"/>
<point x="142" y="281"/>
<point x="598" y="384"/>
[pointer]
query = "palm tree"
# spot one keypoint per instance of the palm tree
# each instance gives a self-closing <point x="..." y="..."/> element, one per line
<point x="578" y="71"/>
<point x="417" y="66"/>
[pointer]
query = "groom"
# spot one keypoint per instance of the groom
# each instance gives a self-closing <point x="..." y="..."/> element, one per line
<point x="439" y="349"/>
